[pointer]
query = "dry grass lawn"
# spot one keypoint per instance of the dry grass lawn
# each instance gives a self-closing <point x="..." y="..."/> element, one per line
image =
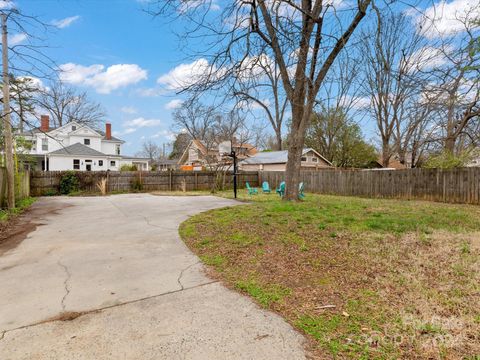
<point x="362" y="278"/>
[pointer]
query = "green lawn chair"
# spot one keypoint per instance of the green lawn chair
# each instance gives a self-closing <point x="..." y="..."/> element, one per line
<point x="251" y="191"/>
<point x="281" y="189"/>
<point x="266" y="187"/>
<point x="301" y="188"/>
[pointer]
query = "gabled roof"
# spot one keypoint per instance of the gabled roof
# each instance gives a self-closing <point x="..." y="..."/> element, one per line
<point x="101" y="133"/>
<point x="78" y="149"/>
<point x="91" y="132"/>
<point x="277" y="157"/>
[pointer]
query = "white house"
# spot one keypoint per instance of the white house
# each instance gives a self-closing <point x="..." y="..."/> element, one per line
<point x="277" y="161"/>
<point x="75" y="146"/>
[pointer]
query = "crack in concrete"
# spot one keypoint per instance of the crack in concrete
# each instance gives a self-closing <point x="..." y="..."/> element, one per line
<point x="65" y="284"/>
<point x="97" y="310"/>
<point x="179" y="279"/>
<point x="144" y="218"/>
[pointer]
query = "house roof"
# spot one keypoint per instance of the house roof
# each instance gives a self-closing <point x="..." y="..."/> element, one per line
<point x="277" y="157"/>
<point x="37" y="130"/>
<point x="78" y="149"/>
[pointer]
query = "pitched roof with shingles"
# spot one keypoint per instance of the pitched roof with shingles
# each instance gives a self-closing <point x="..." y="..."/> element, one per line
<point x="276" y="157"/>
<point x="78" y="149"/>
<point x="37" y="130"/>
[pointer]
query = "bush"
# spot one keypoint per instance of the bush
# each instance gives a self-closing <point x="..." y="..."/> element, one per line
<point x="137" y="184"/>
<point x="447" y="160"/>
<point x="126" y="167"/>
<point x="69" y="183"/>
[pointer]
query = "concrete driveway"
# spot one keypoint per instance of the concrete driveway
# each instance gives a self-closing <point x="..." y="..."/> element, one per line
<point x="109" y="278"/>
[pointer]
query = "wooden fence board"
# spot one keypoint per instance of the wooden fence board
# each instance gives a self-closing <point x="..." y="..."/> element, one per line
<point x="48" y="182"/>
<point x="460" y="185"/>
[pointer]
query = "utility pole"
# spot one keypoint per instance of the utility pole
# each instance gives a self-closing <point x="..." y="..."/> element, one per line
<point x="7" y="125"/>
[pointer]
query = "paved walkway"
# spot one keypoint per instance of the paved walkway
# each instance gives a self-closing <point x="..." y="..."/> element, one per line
<point x="109" y="278"/>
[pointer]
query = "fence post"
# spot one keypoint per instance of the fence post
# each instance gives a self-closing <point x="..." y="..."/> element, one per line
<point x="170" y="180"/>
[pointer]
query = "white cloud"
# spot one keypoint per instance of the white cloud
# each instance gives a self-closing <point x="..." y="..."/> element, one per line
<point x="124" y="132"/>
<point x="17" y="39"/>
<point x="185" y="75"/>
<point x="174" y="104"/>
<point x="166" y="134"/>
<point x="63" y="23"/>
<point x="102" y="80"/>
<point x="445" y="19"/>
<point x="193" y="5"/>
<point x="430" y="57"/>
<point x="141" y="122"/>
<point x="6" y="4"/>
<point x="128" y="110"/>
<point x="150" y="92"/>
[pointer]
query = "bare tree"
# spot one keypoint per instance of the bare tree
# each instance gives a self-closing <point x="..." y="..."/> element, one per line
<point x="258" y="86"/>
<point x="194" y="118"/>
<point x="64" y="105"/>
<point x="303" y="38"/>
<point x="218" y="132"/>
<point x="150" y="150"/>
<point x="454" y="92"/>
<point x="17" y="58"/>
<point x="394" y="79"/>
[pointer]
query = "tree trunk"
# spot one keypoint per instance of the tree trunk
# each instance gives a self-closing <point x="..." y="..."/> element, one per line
<point x="385" y="154"/>
<point x="296" y="142"/>
<point x="450" y="144"/>
<point x="7" y="125"/>
<point x="278" y="136"/>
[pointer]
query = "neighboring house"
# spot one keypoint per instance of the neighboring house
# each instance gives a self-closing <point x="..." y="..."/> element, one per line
<point x="474" y="158"/>
<point x="75" y="146"/>
<point x="277" y="161"/>
<point x="393" y="164"/>
<point x="164" y="165"/>
<point x="196" y="156"/>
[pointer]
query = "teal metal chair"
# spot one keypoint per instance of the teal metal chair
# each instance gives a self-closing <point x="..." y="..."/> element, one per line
<point x="251" y="190"/>
<point x="301" y="188"/>
<point x="266" y="187"/>
<point x="281" y="189"/>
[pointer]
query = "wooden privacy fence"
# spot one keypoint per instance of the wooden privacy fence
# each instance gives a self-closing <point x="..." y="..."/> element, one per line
<point x="460" y="185"/>
<point x="22" y="185"/>
<point x="48" y="182"/>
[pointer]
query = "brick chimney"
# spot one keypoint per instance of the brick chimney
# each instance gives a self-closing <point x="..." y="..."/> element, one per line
<point x="108" y="131"/>
<point x="44" y="123"/>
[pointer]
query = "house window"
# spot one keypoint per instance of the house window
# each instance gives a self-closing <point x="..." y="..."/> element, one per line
<point x="74" y="128"/>
<point x="86" y="141"/>
<point x="314" y="159"/>
<point x="117" y="149"/>
<point x="112" y="163"/>
<point x="100" y="162"/>
<point x="304" y="158"/>
<point x="76" y="164"/>
<point x="45" y="144"/>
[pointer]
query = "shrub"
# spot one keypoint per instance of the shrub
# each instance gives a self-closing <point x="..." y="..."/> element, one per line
<point x="69" y="183"/>
<point x="127" y="167"/>
<point x="447" y="160"/>
<point x="102" y="186"/>
<point x="137" y="184"/>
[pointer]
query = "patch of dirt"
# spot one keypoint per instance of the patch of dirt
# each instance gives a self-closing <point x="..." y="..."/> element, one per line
<point x="16" y="229"/>
<point x="65" y="316"/>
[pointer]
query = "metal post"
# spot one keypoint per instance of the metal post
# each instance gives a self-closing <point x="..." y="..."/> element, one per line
<point x="234" y="156"/>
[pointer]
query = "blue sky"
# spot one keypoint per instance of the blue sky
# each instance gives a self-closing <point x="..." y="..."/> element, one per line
<point x="129" y="61"/>
<point x="116" y="52"/>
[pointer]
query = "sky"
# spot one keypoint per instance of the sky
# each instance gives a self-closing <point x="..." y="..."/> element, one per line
<point x="116" y="52"/>
<point x="129" y="61"/>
